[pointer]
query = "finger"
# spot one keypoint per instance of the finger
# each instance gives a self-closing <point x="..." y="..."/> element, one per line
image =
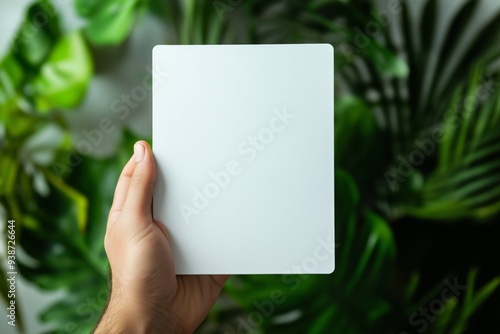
<point x="220" y="279"/>
<point x="142" y="181"/>
<point x="121" y="191"/>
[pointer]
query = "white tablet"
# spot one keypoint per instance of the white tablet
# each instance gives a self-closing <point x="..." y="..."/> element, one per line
<point x="243" y="141"/>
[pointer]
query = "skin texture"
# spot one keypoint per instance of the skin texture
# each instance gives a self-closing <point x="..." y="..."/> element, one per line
<point x="146" y="295"/>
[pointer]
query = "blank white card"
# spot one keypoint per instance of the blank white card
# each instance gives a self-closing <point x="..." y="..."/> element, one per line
<point x="243" y="141"/>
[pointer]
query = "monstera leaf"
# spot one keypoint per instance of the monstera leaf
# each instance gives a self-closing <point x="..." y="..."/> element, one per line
<point x="37" y="34"/>
<point x="64" y="77"/>
<point x="109" y="22"/>
<point x="12" y="76"/>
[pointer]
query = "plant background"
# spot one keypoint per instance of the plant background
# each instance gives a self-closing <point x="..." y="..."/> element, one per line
<point x="432" y="66"/>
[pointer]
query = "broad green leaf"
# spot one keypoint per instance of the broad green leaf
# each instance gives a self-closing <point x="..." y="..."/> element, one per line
<point x="33" y="50"/>
<point x="57" y="311"/>
<point x="90" y="309"/>
<point x="19" y="126"/>
<point x="11" y="76"/>
<point x="348" y="196"/>
<point x="112" y="22"/>
<point x="88" y="8"/>
<point x="37" y="34"/>
<point x="356" y="127"/>
<point x="54" y="281"/>
<point x="64" y="78"/>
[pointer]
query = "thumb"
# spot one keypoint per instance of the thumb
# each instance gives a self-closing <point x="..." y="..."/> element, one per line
<point x="141" y="186"/>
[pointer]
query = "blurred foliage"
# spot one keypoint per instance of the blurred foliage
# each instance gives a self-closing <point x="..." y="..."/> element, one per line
<point x="109" y="22"/>
<point x="417" y="119"/>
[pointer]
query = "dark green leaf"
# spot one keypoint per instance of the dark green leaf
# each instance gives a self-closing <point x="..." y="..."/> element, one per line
<point x="356" y="127"/>
<point x="64" y="78"/>
<point x="38" y="33"/>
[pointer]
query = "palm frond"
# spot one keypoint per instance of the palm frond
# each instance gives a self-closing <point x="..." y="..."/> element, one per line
<point x="465" y="181"/>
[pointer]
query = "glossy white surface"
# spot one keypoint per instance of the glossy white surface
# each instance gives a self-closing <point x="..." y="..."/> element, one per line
<point x="243" y="139"/>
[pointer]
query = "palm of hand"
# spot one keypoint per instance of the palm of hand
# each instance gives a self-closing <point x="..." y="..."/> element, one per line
<point x="141" y="259"/>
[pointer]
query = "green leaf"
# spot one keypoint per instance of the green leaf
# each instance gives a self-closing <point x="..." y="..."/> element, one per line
<point x="88" y="8"/>
<point x="447" y="316"/>
<point x="37" y="34"/>
<point x="455" y="318"/>
<point x="64" y="78"/>
<point x="65" y="309"/>
<point x="481" y="296"/>
<point x="465" y="181"/>
<point x="53" y="281"/>
<point x="79" y="201"/>
<point x="440" y="210"/>
<point x="321" y="325"/>
<point x="9" y="169"/>
<point x="11" y="77"/>
<point x="378" y="254"/>
<point x="355" y="126"/>
<point x="111" y="23"/>
<point x="386" y="62"/>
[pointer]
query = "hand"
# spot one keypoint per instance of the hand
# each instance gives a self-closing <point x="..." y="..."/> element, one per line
<point x="146" y="295"/>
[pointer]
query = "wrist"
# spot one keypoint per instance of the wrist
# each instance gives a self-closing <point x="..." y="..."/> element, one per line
<point x="127" y="316"/>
